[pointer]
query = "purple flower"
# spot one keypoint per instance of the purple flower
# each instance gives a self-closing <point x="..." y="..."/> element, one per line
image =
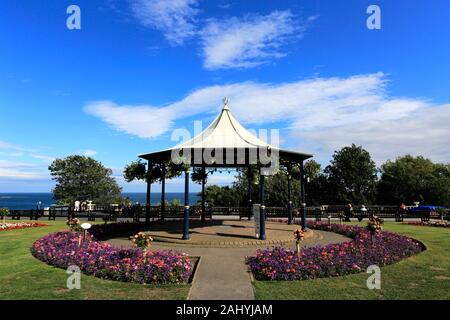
<point x="99" y="259"/>
<point x="332" y="260"/>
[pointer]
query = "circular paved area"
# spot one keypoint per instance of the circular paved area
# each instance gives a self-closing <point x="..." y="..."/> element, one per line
<point x="223" y="233"/>
<point x="221" y="273"/>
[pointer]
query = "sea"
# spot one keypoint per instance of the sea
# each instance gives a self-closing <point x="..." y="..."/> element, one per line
<point x="26" y="201"/>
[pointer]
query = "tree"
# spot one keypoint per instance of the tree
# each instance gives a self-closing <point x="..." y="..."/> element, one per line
<point x="276" y="190"/>
<point x="409" y="179"/>
<point x="137" y="170"/>
<point x="198" y="175"/>
<point x="352" y="175"/>
<point x="312" y="169"/>
<point x="83" y="178"/>
<point x="222" y="196"/>
<point x="317" y="185"/>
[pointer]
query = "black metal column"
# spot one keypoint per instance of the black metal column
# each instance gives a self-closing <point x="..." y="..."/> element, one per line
<point x="262" y="216"/>
<point x="163" y="192"/>
<point x="302" y="195"/>
<point x="186" y="206"/>
<point x="289" y="194"/>
<point x="249" y="193"/>
<point x="148" y="201"/>
<point x="203" y="194"/>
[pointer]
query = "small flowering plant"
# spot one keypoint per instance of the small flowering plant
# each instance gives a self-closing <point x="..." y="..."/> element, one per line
<point x="141" y="240"/>
<point x="375" y="225"/>
<point x="299" y="236"/>
<point x="74" y="224"/>
<point x="3" y="213"/>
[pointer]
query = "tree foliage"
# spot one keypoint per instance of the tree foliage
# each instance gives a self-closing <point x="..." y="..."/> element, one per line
<point x="83" y="178"/>
<point x="352" y="175"/>
<point x="137" y="170"/>
<point x="223" y="196"/>
<point x="409" y="179"/>
<point x="198" y="175"/>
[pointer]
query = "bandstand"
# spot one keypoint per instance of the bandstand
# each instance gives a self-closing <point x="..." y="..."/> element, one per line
<point x="225" y="143"/>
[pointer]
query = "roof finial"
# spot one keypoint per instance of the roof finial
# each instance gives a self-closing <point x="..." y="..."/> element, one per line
<point x="225" y="104"/>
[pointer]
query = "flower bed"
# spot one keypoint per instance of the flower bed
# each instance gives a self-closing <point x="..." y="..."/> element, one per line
<point x="334" y="259"/>
<point x="100" y="259"/>
<point x="20" y="225"/>
<point x="441" y="224"/>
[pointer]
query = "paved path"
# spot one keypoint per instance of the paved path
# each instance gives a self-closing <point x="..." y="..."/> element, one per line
<point x="222" y="273"/>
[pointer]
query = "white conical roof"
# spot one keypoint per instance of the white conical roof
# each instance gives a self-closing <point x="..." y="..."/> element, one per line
<point x="224" y="132"/>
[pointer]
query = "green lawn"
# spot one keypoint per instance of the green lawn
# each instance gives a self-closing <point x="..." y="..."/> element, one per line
<point x="424" y="276"/>
<point x="24" y="277"/>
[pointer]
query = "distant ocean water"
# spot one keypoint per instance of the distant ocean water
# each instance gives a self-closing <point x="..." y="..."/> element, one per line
<point x="24" y="201"/>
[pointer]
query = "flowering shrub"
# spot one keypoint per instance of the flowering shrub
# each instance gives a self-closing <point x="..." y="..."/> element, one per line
<point x="440" y="223"/>
<point x="100" y="259"/>
<point x="141" y="240"/>
<point x="299" y="235"/>
<point x="334" y="259"/>
<point x="74" y="224"/>
<point x="20" y="225"/>
<point x="4" y="212"/>
<point x="375" y="225"/>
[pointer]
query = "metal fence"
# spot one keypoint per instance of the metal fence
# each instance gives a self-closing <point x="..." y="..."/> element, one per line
<point x="139" y="212"/>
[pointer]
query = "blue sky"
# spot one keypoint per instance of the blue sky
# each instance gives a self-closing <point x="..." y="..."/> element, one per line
<point x="139" y="69"/>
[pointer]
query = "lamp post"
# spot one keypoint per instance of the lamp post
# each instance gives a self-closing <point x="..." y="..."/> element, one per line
<point x="186" y="206"/>
<point x="262" y="212"/>
<point x="302" y="196"/>
<point x="289" y="195"/>
<point x="85" y="227"/>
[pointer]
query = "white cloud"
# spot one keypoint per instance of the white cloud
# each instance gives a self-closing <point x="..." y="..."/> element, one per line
<point x="20" y="151"/>
<point x="424" y="131"/>
<point x="17" y="171"/>
<point x="142" y="121"/>
<point x="46" y="159"/>
<point x="7" y="145"/>
<point x="175" y="18"/>
<point x="249" y="41"/>
<point x="88" y="153"/>
<point x="320" y="115"/>
<point x="230" y="42"/>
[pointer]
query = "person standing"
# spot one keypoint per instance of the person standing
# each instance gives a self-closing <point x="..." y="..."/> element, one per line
<point x="76" y="206"/>
<point x="349" y="212"/>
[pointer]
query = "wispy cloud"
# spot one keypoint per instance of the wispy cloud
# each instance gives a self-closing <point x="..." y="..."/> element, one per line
<point x="249" y="41"/>
<point x="174" y="18"/>
<point x="18" y="170"/>
<point x="88" y="153"/>
<point x="423" y="131"/>
<point x="143" y="121"/>
<point x="46" y="159"/>
<point x="14" y="150"/>
<point x="320" y="115"/>
<point x="232" y="42"/>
